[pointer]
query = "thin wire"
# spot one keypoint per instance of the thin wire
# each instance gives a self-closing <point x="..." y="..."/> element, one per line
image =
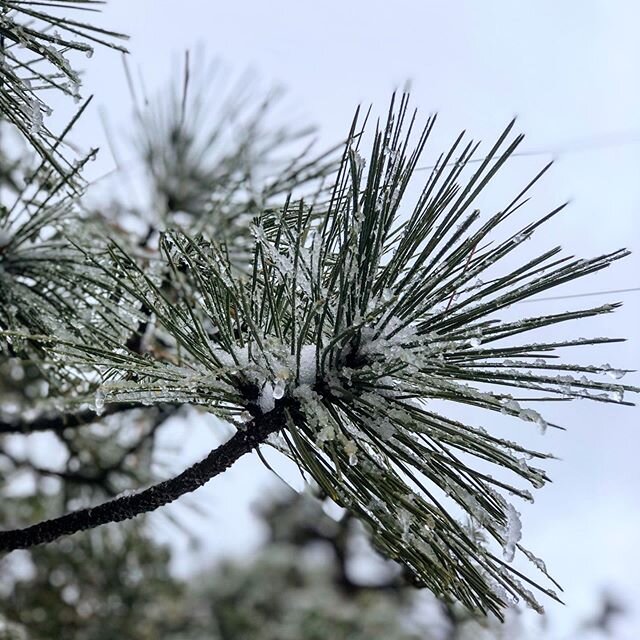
<point x="583" y="295"/>
<point x="575" y="146"/>
<point x="603" y="141"/>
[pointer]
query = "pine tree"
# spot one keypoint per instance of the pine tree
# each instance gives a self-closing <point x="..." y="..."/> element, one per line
<point x="315" y="303"/>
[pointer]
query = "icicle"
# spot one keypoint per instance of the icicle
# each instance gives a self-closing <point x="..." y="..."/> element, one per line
<point x="99" y="402"/>
<point x="307" y="373"/>
<point x="266" y="400"/>
<point x="36" y="117"/>
<point x="513" y="533"/>
<point x="279" y="389"/>
<point x="359" y="161"/>
<point x="405" y="520"/>
<point x="537" y="562"/>
<point x="616" y="374"/>
<point x="351" y="449"/>
<point x="542" y="424"/>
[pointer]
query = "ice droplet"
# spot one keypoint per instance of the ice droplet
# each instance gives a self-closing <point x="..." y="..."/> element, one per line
<point x="245" y="417"/>
<point x="350" y="447"/>
<point x="278" y="389"/>
<point x="99" y="402"/>
<point x="618" y="395"/>
<point x="327" y="433"/>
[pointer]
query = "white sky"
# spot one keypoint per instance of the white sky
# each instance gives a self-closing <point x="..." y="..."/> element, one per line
<point x="569" y="71"/>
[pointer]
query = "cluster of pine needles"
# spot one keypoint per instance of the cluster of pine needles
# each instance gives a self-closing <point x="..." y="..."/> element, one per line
<point x="339" y="334"/>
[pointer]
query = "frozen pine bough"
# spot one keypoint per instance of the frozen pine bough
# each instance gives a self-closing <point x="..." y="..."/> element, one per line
<point x="38" y="41"/>
<point x="353" y="326"/>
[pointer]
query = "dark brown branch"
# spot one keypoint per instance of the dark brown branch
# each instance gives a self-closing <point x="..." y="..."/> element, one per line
<point x="164" y="412"/>
<point x="101" y="478"/>
<point x="338" y="541"/>
<point x="61" y="421"/>
<point x="129" y="506"/>
<point x="69" y="476"/>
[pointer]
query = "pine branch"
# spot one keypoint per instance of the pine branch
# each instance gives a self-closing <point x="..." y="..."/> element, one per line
<point x="101" y="476"/>
<point x="210" y="155"/>
<point x="361" y="314"/>
<point x="61" y="421"/>
<point x="130" y="506"/>
<point x="35" y="42"/>
<point x="44" y="283"/>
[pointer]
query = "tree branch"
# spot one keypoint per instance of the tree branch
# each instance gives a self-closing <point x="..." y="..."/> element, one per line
<point x="163" y="493"/>
<point x="101" y="478"/>
<point x="62" y="421"/>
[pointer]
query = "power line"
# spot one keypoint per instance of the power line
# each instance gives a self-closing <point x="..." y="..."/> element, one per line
<point x="574" y="146"/>
<point x="590" y="143"/>
<point x="584" y="295"/>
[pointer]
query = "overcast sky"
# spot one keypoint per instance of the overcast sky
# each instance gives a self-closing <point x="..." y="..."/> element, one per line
<point x="570" y="72"/>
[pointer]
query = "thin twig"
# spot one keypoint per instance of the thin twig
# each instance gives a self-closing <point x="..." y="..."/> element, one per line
<point x="61" y="421"/>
